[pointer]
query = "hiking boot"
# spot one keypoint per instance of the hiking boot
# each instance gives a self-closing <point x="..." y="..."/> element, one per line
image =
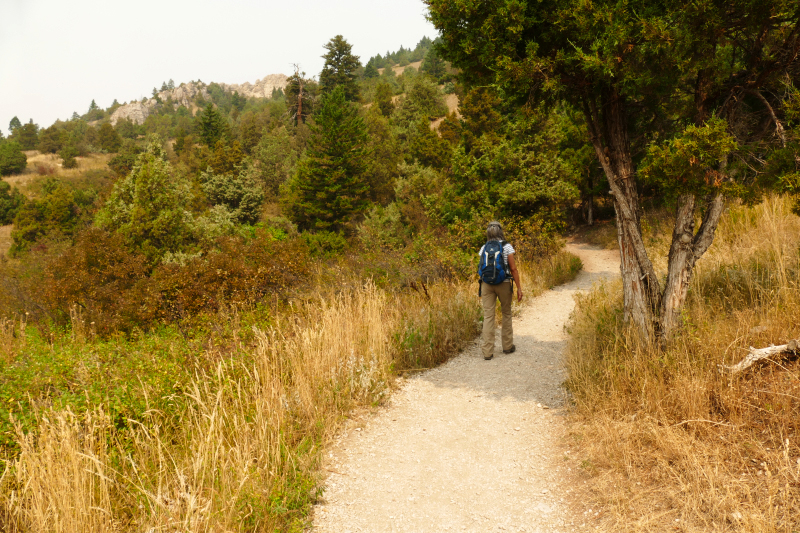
<point x="488" y="358"/>
<point x="511" y="350"/>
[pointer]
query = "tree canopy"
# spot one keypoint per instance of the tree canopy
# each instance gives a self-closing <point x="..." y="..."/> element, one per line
<point x="341" y="69"/>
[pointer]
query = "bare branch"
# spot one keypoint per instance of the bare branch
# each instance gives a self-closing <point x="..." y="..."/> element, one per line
<point x="778" y="126"/>
<point x="763" y="353"/>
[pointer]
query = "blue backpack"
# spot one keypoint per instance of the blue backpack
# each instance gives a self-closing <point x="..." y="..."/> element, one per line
<point x="493" y="269"/>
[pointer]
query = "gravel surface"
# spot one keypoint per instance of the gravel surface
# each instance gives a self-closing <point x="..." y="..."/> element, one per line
<point x="472" y="445"/>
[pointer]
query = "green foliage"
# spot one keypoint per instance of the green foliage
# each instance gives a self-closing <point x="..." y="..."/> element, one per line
<point x="56" y="212"/>
<point x="108" y="138"/>
<point x="384" y="156"/>
<point x="67" y="155"/>
<point x="148" y="207"/>
<point x="12" y="160"/>
<point x="433" y="65"/>
<point x="324" y="243"/>
<point x="340" y="69"/>
<point x="123" y="162"/>
<point x="240" y="193"/>
<point x="226" y="157"/>
<point x="383" y="228"/>
<point x="300" y="97"/>
<point x="371" y="71"/>
<point x="211" y="126"/>
<point x="51" y="139"/>
<point x="10" y="202"/>
<point x="14" y="124"/>
<point x="689" y="163"/>
<point x="127" y="129"/>
<point x="27" y="136"/>
<point x="383" y="98"/>
<point x="330" y="186"/>
<point x="423" y="100"/>
<point x="274" y="159"/>
<point x="427" y="147"/>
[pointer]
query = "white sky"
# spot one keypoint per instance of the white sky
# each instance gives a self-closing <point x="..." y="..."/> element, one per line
<point x="57" y="55"/>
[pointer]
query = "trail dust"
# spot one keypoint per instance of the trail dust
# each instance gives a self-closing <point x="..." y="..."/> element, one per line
<point x="472" y="445"/>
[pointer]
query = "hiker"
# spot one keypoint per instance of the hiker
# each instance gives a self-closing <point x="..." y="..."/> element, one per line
<point x="498" y="272"/>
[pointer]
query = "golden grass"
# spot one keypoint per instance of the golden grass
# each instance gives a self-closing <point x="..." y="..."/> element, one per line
<point x="672" y="443"/>
<point x="41" y="166"/>
<point x="5" y="239"/>
<point x="243" y="455"/>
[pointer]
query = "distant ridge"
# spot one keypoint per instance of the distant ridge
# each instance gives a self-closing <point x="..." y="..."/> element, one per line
<point x="185" y="94"/>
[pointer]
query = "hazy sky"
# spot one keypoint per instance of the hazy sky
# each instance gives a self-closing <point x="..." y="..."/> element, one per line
<point x="57" y="55"/>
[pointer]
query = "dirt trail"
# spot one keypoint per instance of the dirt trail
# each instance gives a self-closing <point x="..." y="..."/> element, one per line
<point x="472" y="445"/>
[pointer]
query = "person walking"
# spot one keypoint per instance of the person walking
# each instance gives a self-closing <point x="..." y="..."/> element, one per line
<point x="497" y="261"/>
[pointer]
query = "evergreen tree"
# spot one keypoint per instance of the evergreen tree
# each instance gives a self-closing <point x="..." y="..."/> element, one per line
<point x="27" y="136"/>
<point x="340" y="69"/>
<point x="51" y="139"/>
<point x="93" y="106"/>
<point x="383" y="98"/>
<point x="14" y="124"/>
<point x="211" y="125"/>
<point x="108" y="138"/>
<point x="331" y="186"/>
<point x="12" y="160"/>
<point x="170" y="84"/>
<point x="433" y="64"/>
<point x="10" y="201"/>
<point x="300" y="97"/>
<point x="148" y="206"/>
<point x="226" y="157"/>
<point x="371" y="71"/>
<point x="75" y="116"/>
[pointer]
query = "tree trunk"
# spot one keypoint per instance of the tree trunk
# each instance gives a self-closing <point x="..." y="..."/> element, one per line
<point x="684" y="252"/>
<point x="609" y="135"/>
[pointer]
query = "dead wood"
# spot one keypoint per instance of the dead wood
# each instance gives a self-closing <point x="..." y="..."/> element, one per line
<point x="756" y="355"/>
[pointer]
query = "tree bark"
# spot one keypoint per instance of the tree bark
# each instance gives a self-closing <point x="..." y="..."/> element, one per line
<point x="641" y="289"/>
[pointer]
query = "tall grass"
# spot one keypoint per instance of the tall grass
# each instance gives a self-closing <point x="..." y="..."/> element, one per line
<point x="667" y="435"/>
<point x="237" y="447"/>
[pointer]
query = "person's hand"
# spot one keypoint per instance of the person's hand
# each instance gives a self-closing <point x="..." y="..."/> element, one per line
<point x="519" y="294"/>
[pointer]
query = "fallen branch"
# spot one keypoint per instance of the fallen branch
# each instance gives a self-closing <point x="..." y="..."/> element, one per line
<point x="762" y="353"/>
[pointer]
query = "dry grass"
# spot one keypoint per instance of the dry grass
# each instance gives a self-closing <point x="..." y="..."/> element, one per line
<point x="670" y="442"/>
<point x="243" y="454"/>
<point x="41" y="166"/>
<point x="5" y="239"/>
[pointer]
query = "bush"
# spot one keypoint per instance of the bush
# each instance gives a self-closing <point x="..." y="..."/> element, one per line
<point x="240" y="193"/>
<point x="68" y="154"/>
<point x="118" y="290"/>
<point x="10" y="201"/>
<point x="324" y="243"/>
<point x="57" y="211"/>
<point x="12" y="160"/>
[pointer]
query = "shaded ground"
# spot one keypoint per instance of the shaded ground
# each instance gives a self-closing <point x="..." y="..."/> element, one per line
<point x="472" y="445"/>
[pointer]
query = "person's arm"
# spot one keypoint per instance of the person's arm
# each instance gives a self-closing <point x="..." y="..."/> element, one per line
<point x="512" y="265"/>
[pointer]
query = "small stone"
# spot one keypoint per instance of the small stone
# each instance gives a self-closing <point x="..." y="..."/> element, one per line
<point x="516" y="429"/>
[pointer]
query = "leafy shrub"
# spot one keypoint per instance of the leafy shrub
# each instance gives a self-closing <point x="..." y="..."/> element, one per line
<point x="57" y="211"/>
<point x="118" y="289"/>
<point x="383" y="228"/>
<point x="68" y="154"/>
<point x="324" y="243"/>
<point x="149" y="206"/>
<point x="239" y="192"/>
<point x="12" y="160"/>
<point x="123" y="162"/>
<point x="10" y="201"/>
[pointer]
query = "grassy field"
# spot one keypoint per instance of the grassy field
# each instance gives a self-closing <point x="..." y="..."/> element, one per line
<point x="217" y="427"/>
<point x="670" y="441"/>
<point x="40" y="166"/>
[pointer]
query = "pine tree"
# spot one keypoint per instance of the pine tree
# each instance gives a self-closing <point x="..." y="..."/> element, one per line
<point x="340" y="69"/>
<point x="93" y="106"/>
<point x="211" y="125"/>
<point x="331" y="185"/>
<point x="170" y="84"/>
<point x="14" y="124"/>
<point x="27" y="135"/>
<point x="433" y="64"/>
<point x="371" y="71"/>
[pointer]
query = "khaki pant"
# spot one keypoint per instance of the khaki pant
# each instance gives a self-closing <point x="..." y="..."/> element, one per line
<point x="490" y="295"/>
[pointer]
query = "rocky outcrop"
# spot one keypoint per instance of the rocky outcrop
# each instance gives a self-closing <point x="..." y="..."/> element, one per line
<point x="260" y="89"/>
<point x="187" y="94"/>
<point x="136" y="112"/>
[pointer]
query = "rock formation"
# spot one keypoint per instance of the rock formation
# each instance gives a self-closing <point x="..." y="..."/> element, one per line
<point x="187" y="94"/>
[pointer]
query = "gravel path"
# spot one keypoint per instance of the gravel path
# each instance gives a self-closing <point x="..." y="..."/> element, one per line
<point x="472" y="445"/>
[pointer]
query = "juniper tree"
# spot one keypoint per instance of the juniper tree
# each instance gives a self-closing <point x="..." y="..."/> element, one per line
<point x="685" y="73"/>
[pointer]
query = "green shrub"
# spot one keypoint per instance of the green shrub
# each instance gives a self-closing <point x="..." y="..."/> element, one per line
<point x="10" y="201"/>
<point x="12" y="160"/>
<point x="239" y="192"/>
<point x="55" y="212"/>
<point x="324" y="243"/>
